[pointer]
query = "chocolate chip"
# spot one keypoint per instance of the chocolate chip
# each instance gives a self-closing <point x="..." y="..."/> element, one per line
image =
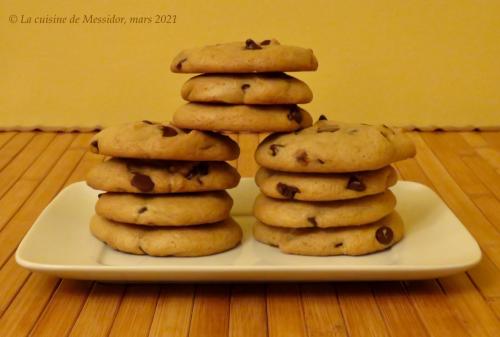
<point x="320" y="161"/>
<point x="168" y="131"/>
<point x="142" y="209"/>
<point x="287" y="191"/>
<point x="340" y="244"/>
<point x="95" y="144"/>
<point x="294" y="114"/>
<point x="312" y="220"/>
<point x="147" y="122"/>
<point x="322" y="118"/>
<point x="265" y="43"/>
<point x="328" y="128"/>
<point x="179" y="65"/>
<point x="245" y="86"/>
<point x="142" y="182"/>
<point x="355" y="184"/>
<point x="250" y="44"/>
<point x="198" y="171"/>
<point x="275" y="149"/>
<point x="384" y="235"/>
<point x="302" y="158"/>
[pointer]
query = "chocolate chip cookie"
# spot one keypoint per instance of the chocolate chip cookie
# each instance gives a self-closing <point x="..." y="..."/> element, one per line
<point x="159" y="176"/>
<point x="323" y="186"/>
<point x="329" y="147"/>
<point x="249" y="118"/>
<point x="165" y="209"/>
<point x="358" y="240"/>
<point x="323" y="214"/>
<point x="150" y="140"/>
<point x="244" y="57"/>
<point x="266" y="88"/>
<point x="167" y="241"/>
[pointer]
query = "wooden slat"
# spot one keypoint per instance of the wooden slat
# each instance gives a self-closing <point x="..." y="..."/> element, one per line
<point x="18" y="316"/>
<point x="285" y="315"/>
<point x="467" y="304"/>
<point x="445" y="146"/>
<point x="322" y="313"/>
<point x="210" y="315"/>
<point x="485" y="273"/>
<point x="173" y="311"/>
<point x="98" y="313"/>
<point x="13" y="147"/>
<point x="492" y="156"/>
<point x="397" y="310"/>
<point x="60" y="313"/>
<point x="5" y="136"/>
<point x="436" y="315"/>
<point x="487" y="174"/>
<point x="24" y="187"/>
<point x="361" y="313"/>
<point x="246" y="163"/>
<point x="22" y="314"/>
<point x="474" y="139"/>
<point x="70" y="296"/>
<point x="16" y="168"/>
<point x="458" y="201"/>
<point x="14" y="276"/>
<point x="492" y="138"/>
<point x="486" y="277"/>
<point x="248" y="311"/>
<point x="136" y="311"/>
<point x="494" y="304"/>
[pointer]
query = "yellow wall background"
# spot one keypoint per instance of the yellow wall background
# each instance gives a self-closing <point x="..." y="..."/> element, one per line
<point x="397" y="62"/>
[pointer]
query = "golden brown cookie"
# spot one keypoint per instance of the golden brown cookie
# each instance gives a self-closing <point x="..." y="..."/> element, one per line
<point x="150" y="140"/>
<point x="167" y="241"/>
<point x="245" y="118"/>
<point x="329" y="147"/>
<point x="160" y="176"/>
<point x="244" y="57"/>
<point x="358" y="240"/>
<point x="323" y="214"/>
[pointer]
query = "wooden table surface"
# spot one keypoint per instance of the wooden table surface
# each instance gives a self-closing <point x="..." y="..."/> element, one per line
<point x="463" y="168"/>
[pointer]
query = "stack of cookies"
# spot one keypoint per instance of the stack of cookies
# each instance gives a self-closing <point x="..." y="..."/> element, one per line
<point x="325" y="189"/>
<point x="243" y="87"/>
<point x="164" y="190"/>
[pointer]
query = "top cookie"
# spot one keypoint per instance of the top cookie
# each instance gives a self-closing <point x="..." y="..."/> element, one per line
<point x="269" y="88"/>
<point x="244" y="57"/>
<point x="328" y="147"/>
<point x="149" y="140"/>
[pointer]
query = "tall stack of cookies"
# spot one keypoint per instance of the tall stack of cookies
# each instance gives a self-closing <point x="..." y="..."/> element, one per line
<point x="325" y="189"/>
<point x="164" y="190"/>
<point x="243" y="87"/>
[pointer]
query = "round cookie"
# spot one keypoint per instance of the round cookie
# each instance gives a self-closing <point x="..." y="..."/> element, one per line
<point x="328" y="147"/>
<point x="165" y="209"/>
<point x="322" y="186"/>
<point x="266" y="88"/>
<point x="157" y="176"/>
<point x="323" y="214"/>
<point x="149" y="140"/>
<point x="249" y="118"/>
<point x="244" y="57"/>
<point x="173" y="241"/>
<point x="359" y="240"/>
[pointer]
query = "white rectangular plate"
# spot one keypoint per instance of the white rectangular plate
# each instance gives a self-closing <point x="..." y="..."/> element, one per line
<point x="436" y="244"/>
